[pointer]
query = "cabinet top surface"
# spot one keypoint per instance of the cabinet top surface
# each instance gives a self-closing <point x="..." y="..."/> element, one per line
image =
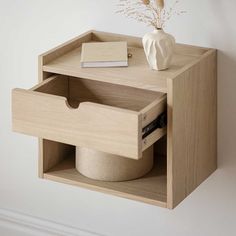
<point x="65" y="59"/>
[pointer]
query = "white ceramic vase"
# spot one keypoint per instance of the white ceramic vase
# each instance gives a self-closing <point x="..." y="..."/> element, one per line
<point x="159" y="48"/>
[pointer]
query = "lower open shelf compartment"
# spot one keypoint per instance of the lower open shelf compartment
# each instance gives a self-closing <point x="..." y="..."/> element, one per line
<point x="151" y="188"/>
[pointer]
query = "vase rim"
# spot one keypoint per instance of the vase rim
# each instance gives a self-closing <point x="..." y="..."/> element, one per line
<point x="158" y="30"/>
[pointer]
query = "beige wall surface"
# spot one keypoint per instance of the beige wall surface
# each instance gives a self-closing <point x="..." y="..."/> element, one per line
<point x="30" y="27"/>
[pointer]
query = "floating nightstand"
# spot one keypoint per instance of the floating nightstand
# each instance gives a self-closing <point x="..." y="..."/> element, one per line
<point x="113" y="110"/>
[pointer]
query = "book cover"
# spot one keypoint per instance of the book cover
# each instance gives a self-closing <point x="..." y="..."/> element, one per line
<point x="104" y="54"/>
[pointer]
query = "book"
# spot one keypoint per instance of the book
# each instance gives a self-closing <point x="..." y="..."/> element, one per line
<point x="104" y="54"/>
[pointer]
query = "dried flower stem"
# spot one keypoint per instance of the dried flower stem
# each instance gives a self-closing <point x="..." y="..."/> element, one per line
<point x="151" y="12"/>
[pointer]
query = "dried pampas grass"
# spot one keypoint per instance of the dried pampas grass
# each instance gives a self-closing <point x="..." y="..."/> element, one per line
<point x="160" y="4"/>
<point x="151" y="12"/>
<point x="146" y="2"/>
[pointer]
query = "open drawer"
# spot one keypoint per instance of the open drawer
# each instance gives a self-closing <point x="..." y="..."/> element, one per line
<point x="112" y="118"/>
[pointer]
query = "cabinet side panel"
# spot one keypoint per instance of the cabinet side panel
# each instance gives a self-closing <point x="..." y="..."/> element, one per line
<point x="41" y="76"/>
<point x="54" y="153"/>
<point x="192" y="128"/>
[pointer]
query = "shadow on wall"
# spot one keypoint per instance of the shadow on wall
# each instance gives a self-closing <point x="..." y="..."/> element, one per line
<point x="226" y="109"/>
<point x="223" y="37"/>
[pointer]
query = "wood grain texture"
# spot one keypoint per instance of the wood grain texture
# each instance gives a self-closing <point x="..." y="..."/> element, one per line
<point x="51" y="152"/>
<point x="136" y="75"/>
<point x="83" y="90"/>
<point x="97" y="126"/>
<point x="41" y="144"/>
<point x="65" y="47"/>
<point x="137" y="42"/>
<point x="104" y="114"/>
<point x="190" y="85"/>
<point x="150" y="113"/>
<point x="54" y="153"/>
<point x="150" y="189"/>
<point x="55" y="85"/>
<point x="192" y="136"/>
<point x="100" y="36"/>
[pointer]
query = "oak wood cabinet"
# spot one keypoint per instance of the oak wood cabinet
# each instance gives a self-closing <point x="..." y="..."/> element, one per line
<point x="108" y="108"/>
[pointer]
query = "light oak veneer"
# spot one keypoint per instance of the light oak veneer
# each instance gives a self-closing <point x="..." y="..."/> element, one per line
<point x="185" y="151"/>
<point x="90" y="114"/>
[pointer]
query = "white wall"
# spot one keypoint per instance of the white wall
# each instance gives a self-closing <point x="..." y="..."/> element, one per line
<point x="30" y="27"/>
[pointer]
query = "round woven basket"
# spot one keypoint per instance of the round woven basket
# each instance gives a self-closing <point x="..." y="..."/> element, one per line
<point x="108" y="167"/>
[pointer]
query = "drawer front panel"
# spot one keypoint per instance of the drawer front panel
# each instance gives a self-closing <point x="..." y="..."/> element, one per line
<point x="105" y="128"/>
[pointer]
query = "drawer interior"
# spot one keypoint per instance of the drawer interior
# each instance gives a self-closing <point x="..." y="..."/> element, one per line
<point x="88" y="113"/>
<point x="78" y="90"/>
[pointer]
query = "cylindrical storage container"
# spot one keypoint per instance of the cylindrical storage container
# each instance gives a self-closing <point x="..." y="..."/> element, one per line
<point x="108" y="167"/>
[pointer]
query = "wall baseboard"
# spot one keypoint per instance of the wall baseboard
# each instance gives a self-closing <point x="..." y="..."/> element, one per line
<point x="36" y="226"/>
